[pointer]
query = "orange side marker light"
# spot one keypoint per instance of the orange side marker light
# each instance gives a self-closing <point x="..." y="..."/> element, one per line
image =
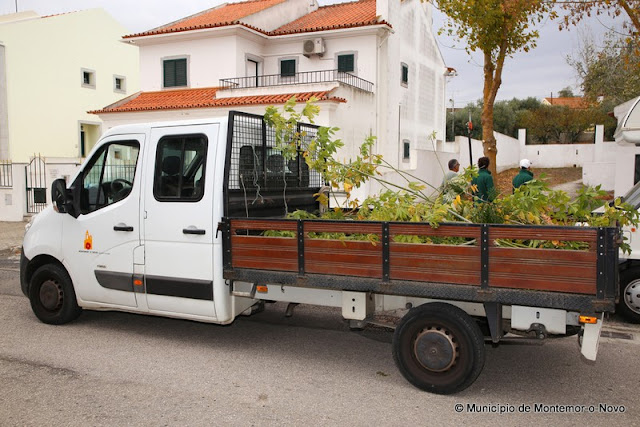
<point x="588" y="319"/>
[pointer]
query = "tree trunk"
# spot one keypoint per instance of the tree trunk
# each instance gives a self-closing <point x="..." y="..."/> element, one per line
<point x="489" y="146"/>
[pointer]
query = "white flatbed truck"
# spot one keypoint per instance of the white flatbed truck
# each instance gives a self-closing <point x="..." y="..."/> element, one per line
<point x="168" y="219"/>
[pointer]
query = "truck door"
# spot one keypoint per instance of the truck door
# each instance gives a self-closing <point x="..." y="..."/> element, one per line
<point x="99" y="244"/>
<point x="178" y="220"/>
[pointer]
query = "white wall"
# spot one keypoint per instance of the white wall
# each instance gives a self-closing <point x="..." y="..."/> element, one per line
<point x="361" y="42"/>
<point x="4" y="118"/>
<point x="280" y="14"/>
<point x="598" y="160"/>
<point x="415" y="111"/>
<point x="13" y="200"/>
<point x="222" y="53"/>
<point x="600" y="173"/>
<point x="208" y="61"/>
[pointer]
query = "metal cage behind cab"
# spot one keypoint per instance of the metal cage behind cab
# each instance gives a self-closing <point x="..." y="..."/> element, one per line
<point x="262" y="180"/>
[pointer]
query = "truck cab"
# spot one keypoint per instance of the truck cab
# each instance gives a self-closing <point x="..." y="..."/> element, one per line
<point x="139" y="232"/>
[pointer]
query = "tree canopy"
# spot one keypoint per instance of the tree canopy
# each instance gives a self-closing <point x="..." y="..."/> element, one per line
<point x="579" y="9"/>
<point x="610" y="74"/>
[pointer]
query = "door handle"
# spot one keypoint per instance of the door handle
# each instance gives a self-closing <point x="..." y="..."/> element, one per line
<point x="193" y="230"/>
<point x="122" y="227"/>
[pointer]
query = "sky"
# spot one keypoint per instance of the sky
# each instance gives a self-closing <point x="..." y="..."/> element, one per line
<point x="542" y="71"/>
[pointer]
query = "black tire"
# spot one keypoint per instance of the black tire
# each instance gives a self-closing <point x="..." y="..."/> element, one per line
<point x="629" y="304"/>
<point x="52" y="297"/>
<point x="439" y="348"/>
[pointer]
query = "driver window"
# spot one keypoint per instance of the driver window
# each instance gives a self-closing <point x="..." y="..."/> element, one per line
<point x="108" y="177"/>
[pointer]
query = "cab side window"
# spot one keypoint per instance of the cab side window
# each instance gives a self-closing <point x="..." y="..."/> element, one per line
<point x="108" y="177"/>
<point x="180" y="168"/>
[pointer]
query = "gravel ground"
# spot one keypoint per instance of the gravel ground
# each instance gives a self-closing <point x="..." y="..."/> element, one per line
<point x="553" y="176"/>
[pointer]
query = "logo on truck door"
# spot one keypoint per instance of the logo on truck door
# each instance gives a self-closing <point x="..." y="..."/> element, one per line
<point x="88" y="241"/>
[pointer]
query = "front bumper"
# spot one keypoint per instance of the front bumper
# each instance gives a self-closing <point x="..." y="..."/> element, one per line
<point x="24" y="284"/>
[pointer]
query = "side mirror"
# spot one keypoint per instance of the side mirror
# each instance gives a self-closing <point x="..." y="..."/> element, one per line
<point x="59" y="195"/>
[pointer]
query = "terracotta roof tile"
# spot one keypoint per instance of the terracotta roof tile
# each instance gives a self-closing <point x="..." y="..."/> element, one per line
<point x="575" y="102"/>
<point x="180" y="99"/>
<point x="226" y="14"/>
<point x="344" y="15"/>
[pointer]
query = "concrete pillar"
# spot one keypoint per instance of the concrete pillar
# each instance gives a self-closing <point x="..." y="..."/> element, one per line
<point x="522" y="142"/>
<point x="599" y="142"/>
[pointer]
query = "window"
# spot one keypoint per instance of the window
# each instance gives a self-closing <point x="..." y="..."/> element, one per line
<point x="405" y="75"/>
<point x="346" y="63"/>
<point x="88" y="78"/>
<point x="287" y="67"/>
<point x="119" y="84"/>
<point x="406" y="149"/>
<point x="109" y="175"/>
<point x="180" y="168"/>
<point x="174" y="72"/>
<point x="636" y="174"/>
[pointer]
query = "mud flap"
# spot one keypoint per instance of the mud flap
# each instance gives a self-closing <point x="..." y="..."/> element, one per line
<point x="591" y="339"/>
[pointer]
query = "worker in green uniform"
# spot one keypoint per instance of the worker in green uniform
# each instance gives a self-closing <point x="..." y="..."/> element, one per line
<point x="525" y="175"/>
<point x="485" y="190"/>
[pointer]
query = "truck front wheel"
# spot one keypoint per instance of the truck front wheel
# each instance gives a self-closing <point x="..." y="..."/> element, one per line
<point x="439" y="348"/>
<point x="52" y="297"/>
<point x="629" y="305"/>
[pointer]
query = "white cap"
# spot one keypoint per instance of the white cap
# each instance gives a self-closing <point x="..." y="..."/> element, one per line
<point x="525" y="163"/>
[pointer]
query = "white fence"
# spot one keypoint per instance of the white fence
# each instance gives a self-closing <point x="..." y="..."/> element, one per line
<point x="597" y="159"/>
<point x="13" y="199"/>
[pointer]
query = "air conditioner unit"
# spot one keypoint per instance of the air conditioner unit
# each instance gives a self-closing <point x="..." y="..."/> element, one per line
<point x="313" y="47"/>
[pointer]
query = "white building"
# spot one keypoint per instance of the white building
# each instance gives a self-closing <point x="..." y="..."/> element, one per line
<point x="53" y="70"/>
<point x="373" y="64"/>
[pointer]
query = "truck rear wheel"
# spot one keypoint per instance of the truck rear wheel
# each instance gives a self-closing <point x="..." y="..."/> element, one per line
<point x="629" y="305"/>
<point x="52" y="297"/>
<point x="439" y="348"/>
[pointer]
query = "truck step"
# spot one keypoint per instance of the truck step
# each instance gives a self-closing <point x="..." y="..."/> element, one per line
<point x="244" y="294"/>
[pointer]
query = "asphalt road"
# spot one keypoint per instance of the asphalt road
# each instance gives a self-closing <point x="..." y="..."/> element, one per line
<point x="112" y="368"/>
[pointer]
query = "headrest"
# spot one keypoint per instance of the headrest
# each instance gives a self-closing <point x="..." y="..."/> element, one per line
<point x="171" y="165"/>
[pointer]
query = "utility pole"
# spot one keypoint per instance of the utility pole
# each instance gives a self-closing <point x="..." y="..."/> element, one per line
<point x="16" y="6"/>
<point x="469" y="128"/>
<point x="453" y="119"/>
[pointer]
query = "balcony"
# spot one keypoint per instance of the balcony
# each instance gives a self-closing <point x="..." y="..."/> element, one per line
<point x="308" y="77"/>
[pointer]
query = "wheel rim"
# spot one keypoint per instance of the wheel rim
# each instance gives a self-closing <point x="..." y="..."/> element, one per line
<point x="632" y="296"/>
<point x="51" y="295"/>
<point x="436" y="349"/>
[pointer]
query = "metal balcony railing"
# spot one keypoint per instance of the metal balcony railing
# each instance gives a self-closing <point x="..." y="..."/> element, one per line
<point x="306" y="77"/>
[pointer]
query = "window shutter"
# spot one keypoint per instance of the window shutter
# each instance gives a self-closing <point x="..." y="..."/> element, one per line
<point x="169" y="74"/>
<point x="175" y="72"/>
<point x="181" y="72"/>
<point x="288" y="68"/>
<point x="346" y="63"/>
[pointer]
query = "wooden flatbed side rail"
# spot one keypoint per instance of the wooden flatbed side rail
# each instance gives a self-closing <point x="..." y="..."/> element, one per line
<point x="385" y="251"/>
